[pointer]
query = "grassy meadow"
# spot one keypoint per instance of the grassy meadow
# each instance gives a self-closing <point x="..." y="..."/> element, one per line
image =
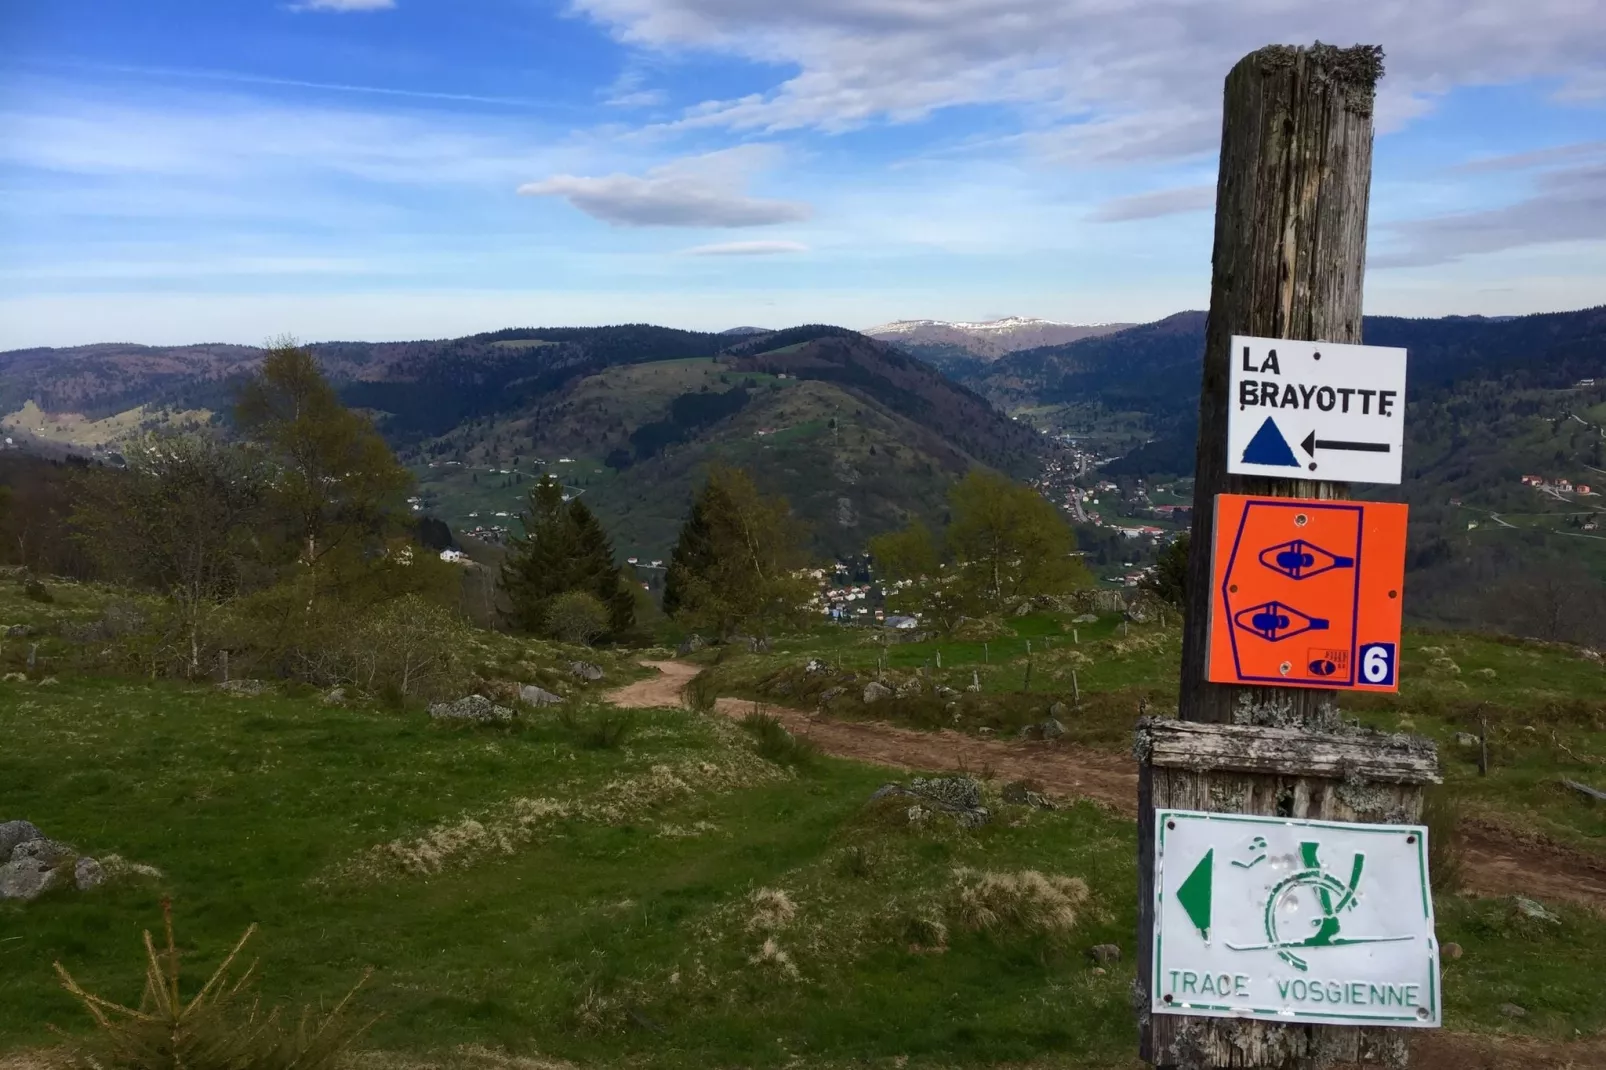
<point x="665" y="888"/>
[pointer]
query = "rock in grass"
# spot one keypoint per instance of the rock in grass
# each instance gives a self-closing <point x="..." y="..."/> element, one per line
<point x="1024" y="793"/>
<point x="336" y="697"/>
<point x="15" y="832"/>
<point x="830" y="694"/>
<point x="244" y="688"/>
<point x="26" y="879"/>
<point x="1511" y="1010"/>
<point x="470" y="708"/>
<point x="584" y="670"/>
<point x="1450" y="951"/>
<point x="538" y="696"/>
<point x="874" y="692"/>
<point x="48" y="852"/>
<point x="1104" y="954"/>
<point x="1533" y="909"/>
<point x="88" y="873"/>
<point x="18" y="631"/>
<point x="690" y="645"/>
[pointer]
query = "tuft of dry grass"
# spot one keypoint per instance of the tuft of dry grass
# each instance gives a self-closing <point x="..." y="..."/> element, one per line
<point x="1025" y="901"/>
<point x="772" y="909"/>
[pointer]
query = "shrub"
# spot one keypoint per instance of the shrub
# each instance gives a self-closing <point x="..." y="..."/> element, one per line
<point x="37" y="592"/>
<point x="1026" y="902"/>
<point x="576" y="617"/>
<point x="221" y="1027"/>
<point x="776" y="744"/>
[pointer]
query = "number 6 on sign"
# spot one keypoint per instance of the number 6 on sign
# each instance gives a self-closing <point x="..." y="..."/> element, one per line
<point x="1377" y="663"/>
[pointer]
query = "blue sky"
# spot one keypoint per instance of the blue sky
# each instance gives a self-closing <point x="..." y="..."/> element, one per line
<point x="225" y="170"/>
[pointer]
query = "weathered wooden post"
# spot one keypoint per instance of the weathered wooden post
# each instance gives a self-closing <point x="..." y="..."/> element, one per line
<point x="1288" y="263"/>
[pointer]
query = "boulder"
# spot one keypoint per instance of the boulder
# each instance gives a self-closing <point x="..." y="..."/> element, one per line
<point x="815" y="665"/>
<point x="1466" y="739"/>
<point x="1104" y="954"/>
<point x="244" y="688"/>
<point x="1086" y="618"/>
<point x="958" y="797"/>
<point x="1059" y="711"/>
<point x="470" y="708"/>
<point x="1511" y="1010"/>
<point x="336" y="697"/>
<point x="1022" y="793"/>
<point x="538" y="696"/>
<point x="88" y="873"/>
<point x="943" y="691"/>
<point x="18" y="631"/>
<point x="691" y="645"/>
<point x="15" y="832"/>
<point x="48" y="852"/>
<point x="874" y="692"/>
<point x="585" y="670"/>
<point x="1533" y="910"/>
<point x="1051" y="729"/>
<point x="26" y="879"/>
<point x="909" y="687"/>
<point x="830" y="694"/>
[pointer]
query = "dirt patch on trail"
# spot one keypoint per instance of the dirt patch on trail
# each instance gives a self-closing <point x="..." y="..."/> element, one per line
<point x="1473" y="1051"/>
<point x="1497" y="861"/>
<point x="662" y="690"/>
<point x="1066" y="771"/>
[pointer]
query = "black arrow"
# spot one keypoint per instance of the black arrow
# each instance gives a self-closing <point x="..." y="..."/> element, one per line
<point x="1312" y="444"/>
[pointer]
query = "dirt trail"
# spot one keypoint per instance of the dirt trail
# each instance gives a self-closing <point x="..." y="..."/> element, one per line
<point x="1075" y="772"/>
<point x="1496" y="863"/>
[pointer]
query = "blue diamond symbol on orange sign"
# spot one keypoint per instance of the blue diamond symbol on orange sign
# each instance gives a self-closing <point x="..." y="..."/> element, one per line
<point x="1300" y="560"/>
<point x="1274" y="621"/>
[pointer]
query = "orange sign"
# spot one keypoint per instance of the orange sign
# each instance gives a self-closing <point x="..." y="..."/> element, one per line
<point x="1307" y="593"/>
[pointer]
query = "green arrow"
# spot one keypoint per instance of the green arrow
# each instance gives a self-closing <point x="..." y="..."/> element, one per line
<point x="1194" y="895"/>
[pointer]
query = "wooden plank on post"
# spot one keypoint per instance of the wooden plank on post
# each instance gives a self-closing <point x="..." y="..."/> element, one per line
<point x="1288" y="262"/>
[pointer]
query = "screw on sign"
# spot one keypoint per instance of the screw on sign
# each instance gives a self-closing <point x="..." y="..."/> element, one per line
<point x="1307" y="593"/>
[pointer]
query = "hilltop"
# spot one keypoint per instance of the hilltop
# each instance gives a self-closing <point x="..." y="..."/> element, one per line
<point x="859" y="435"/>
<point x="955" y="347"/>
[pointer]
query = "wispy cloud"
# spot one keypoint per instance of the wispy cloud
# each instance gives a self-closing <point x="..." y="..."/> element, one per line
<point x="1522" y="161"/>
<point x="1568" y="206"/>
<point x="343" y="5"/>
<point x="245" y="78"/>
<point x="1158" y="203"/>
<point x="748" y="248"/>
<point x="1112" y="72"/>
<point x="698" y="191"/>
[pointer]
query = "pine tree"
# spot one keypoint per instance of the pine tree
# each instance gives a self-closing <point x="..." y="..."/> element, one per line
<point x="564" y="549"/>
<point x="693" y="554"/>
<point x="535" y="569"/>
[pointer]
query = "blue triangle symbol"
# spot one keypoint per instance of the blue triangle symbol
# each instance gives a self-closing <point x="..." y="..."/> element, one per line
<point x="1269" y="447"/>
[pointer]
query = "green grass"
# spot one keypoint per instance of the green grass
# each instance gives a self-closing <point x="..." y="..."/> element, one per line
<point x="617" y="931"/>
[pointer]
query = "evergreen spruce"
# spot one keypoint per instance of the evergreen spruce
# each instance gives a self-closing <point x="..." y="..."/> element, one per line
<point x="693" y="555"/>
<point x="564" y="549"/>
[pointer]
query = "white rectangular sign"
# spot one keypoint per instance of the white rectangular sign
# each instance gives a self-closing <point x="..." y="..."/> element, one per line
<point x="1293" y="921"/>
<point x="1315" y="410"/>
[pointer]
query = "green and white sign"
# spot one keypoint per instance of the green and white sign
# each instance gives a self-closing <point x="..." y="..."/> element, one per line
<point x="1293" y="921"/>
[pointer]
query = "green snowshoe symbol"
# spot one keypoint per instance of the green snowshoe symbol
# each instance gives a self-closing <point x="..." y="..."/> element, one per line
<point x="1332" y="895"/>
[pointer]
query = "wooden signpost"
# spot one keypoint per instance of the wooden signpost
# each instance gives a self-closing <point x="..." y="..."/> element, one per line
<point x="1288" y="263"/>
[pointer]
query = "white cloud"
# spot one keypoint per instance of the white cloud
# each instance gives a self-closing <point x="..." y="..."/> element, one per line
<point x="1109" y="74"/>
<point x="1158" y="203"/>
<point x="1567" y="206"/>
<point x="343" y="5"/>
<point x="208" y="138"/>
<point x="698" y="191"/>
<point x="748" y="248"/>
